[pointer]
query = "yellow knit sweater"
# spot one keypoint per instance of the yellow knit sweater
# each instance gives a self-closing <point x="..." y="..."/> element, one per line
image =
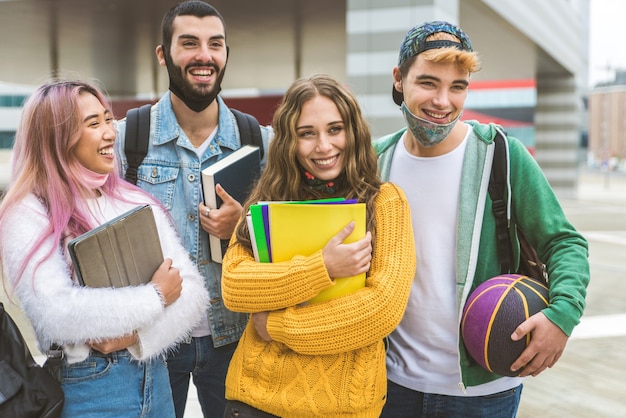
<point x="326" y="359"/>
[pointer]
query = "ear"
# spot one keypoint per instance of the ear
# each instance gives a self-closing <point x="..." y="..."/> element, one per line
<point x="397" y="78"/>
<point x="160" y="56"/>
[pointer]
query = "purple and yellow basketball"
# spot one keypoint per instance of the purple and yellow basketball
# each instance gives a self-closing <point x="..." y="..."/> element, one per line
<point x="491" y="314"/>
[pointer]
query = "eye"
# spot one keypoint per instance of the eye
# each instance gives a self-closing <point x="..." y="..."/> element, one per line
<point x="306" y="134"/>
<point x="335" y="129"/>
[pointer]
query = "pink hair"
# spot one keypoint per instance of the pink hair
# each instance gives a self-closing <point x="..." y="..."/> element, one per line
<point x="44" y="164"/>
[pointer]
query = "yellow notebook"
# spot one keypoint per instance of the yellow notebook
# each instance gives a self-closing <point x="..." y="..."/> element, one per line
<point x="303" y="229"/>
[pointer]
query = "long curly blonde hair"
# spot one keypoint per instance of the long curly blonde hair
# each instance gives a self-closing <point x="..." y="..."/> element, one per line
<point x="282" y="178"/>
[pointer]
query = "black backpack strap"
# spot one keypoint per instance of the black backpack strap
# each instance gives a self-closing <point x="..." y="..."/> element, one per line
<point x="249" y="130"/>
<point x="497" y="187"/>
<point x="136" y="139"/>
<point x="138" y="135"/>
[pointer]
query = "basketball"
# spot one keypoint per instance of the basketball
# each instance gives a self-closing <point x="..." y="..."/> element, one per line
<point x="491" y="314"/>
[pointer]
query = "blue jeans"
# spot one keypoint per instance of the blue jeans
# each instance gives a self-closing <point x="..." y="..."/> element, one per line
<point x="116" y="386"/>
<point x="208" y="366"/>
<point x="406" y="403"/>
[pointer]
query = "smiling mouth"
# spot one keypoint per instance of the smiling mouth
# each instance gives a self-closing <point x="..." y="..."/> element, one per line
<point x="325" y="161"/>
<point x="204" y="73"/>
<point x="106" y="151"/>
<point x="441" y="117"/>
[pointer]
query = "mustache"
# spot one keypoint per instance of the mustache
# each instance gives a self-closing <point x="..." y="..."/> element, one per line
<point x="202" y="64"/>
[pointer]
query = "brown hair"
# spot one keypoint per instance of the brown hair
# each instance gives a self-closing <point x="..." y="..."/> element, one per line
<point x="282" y="177"/>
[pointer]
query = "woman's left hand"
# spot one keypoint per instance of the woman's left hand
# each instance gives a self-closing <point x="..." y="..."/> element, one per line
<point x="346" y="260"/>
<point x="259" y="319"/>
<point x="114" y="344"/>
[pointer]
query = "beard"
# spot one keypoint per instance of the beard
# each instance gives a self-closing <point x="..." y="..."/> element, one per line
<point x="195" y="98"/>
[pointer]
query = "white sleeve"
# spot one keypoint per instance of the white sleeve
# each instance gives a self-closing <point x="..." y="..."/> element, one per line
<point x="60" y="311"/>
<point x="177" y="321"/>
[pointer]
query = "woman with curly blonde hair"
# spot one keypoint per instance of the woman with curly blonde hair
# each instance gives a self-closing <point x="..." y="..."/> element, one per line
<point x="327" y="358"/>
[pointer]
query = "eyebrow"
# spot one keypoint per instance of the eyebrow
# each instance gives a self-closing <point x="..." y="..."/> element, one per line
<point x="195" y="38"/>
<point x="95" y="115"/>
<point x="427" y="77"/>
<point x="311" y="126"/>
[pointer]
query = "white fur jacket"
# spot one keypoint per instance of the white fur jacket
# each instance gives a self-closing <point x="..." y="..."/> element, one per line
<point x="62" y="312"/>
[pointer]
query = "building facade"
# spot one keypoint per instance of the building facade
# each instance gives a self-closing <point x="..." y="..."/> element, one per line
<point x="607" y="127"/>
<point x="534" y="56"/>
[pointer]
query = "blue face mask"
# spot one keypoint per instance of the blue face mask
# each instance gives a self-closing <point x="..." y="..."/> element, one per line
<point x="426" y="132"/>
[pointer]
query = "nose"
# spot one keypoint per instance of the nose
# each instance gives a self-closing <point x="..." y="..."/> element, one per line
<point x="441" y="99"/>
<point x="203" y="53"/>
<point x="109" y="132"/>
<point x="323" y="142"/>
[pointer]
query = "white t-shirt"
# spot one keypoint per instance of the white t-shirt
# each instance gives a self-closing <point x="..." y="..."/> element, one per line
<point x="423" y="352"/>
<point x="203" y="329"/>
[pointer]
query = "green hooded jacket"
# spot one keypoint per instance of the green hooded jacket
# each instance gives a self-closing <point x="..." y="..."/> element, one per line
<point x="537" y="211"/>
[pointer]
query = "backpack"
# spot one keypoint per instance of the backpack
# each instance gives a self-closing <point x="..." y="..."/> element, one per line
<point x="530" y="264"/>
<point x="138" y="135"/>
<point x="27" y="390"/>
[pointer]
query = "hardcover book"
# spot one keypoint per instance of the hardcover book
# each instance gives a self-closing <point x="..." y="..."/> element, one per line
<point x="124" y="251"/>
<point x="236" y="173"/>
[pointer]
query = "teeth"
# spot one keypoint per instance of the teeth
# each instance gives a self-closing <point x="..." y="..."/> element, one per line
<point x="326" y="161"/>
<point x="107" y="151"/>
<point x="202" y="73"/>
<point x="436" y="115"/>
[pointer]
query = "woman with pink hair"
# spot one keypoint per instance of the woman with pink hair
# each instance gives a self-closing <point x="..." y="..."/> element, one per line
<point x="65" y="183"/>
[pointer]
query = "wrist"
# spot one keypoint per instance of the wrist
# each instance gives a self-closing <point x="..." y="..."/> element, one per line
<point x="157" y="289"/>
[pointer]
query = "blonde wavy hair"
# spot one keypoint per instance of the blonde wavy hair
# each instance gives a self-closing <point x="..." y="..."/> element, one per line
<point x="283" y="178"/>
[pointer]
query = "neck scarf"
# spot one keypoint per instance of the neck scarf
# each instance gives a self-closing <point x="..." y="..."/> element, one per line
<point x="324" y="186"/>
<point x="91" y="179"/>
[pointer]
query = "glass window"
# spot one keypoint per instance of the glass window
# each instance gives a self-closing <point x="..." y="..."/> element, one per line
<point x="6" y="139"/>
<point x="12" y="100"/>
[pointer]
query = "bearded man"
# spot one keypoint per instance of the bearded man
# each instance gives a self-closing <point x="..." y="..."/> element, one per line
<point x="190" y="129"/>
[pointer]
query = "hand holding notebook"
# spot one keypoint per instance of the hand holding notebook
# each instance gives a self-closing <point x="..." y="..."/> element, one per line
<point x="167" y="282"/>
<point x="236" y="173"/>
<point x="283" y="230"/>
<point x="343" y="260"/>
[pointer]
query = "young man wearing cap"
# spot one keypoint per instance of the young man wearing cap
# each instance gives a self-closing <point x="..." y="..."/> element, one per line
<point x="443" y="165"/>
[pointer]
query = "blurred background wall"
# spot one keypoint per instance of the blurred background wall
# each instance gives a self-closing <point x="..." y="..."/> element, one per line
<point x="534" y="55"/>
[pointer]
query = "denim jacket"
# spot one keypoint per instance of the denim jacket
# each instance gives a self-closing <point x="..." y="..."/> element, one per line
<point x="171" y="173"/>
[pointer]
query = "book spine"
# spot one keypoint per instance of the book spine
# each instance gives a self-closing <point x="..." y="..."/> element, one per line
<point x="258" y="228"/>
<point x="255" y="250"/>
<point x="208" y="189"/>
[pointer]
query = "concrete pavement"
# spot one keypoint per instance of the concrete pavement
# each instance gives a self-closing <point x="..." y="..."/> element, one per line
<point x="589" y="380"/>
